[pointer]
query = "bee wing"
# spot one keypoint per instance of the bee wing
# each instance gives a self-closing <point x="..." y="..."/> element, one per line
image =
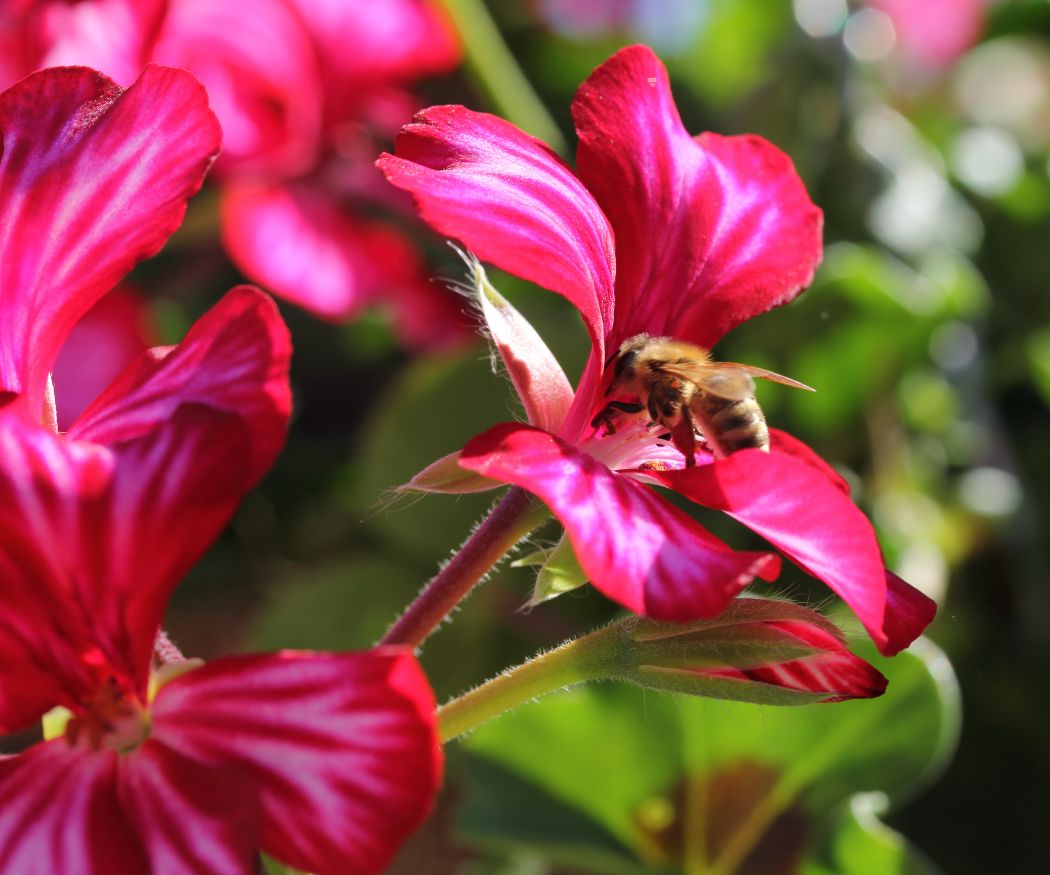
<point x="731" y="382"/>
<point x="770" y="375"/>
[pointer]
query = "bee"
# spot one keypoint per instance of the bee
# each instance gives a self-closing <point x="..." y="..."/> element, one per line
<point x="684" y="390"/>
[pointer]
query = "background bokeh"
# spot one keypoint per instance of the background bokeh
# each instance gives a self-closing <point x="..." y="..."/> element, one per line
<point x="926" y="140"/>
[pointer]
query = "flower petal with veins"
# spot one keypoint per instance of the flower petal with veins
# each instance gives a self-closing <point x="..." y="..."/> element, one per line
<point x="634" y="546"/>
<point x="710" y="231"/>
<point x="341" y="748"/>
<point x="92" y="180"/>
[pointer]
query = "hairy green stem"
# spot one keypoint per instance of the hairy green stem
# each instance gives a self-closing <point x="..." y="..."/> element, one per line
<point x="513" y="517"/>
<point x="497" y="74"/>
<point x="584" y="659"/>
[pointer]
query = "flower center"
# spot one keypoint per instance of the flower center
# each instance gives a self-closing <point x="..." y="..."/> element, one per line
<point x="113" y="718"/>
<point x="637" y="444"/>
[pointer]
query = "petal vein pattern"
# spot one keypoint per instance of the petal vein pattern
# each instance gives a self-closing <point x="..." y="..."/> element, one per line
<point x="341" y="747"/>
<point x="633" y="545"/>
<point x="512" y="201"/>
<point x="234" y="359"/>
<point x="710" y="231"/>
<point x="92" y="180"/>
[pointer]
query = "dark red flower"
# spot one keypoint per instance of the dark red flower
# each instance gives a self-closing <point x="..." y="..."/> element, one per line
<point x="662" y="233"/>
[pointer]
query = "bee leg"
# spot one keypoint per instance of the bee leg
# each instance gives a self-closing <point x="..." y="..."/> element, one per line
<point x="607" y="415"/>
<point x="683" y="435"/>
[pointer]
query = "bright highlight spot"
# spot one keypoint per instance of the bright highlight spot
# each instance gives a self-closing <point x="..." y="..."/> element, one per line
<point x="990" y="492"/>
<point x="953" y="346"/>
<point x="988" y="160"/>
<point x="869" y="35"/>
<point x="821" y="17"/>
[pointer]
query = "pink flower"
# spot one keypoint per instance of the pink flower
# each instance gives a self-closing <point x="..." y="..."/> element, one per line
<point x="663" y="233"/>
<point x="934" y="33"/>
<point x="302" y="88"/>
<point x="325" y="761"/>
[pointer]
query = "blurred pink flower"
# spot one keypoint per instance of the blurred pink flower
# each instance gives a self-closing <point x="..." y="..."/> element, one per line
<point x="302" y="88"/>
<point x="325" y="761"/>
<point x="667" y="234"/>
<point x="934" y="33"/>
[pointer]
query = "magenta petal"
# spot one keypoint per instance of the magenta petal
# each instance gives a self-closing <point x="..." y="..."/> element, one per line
<point x="807" y="516"/>
<point x="92" y="180"/>
<point x="96" y="538"/>
<point x="173" y="491"/>
<point x="782" y="442"/>
<point x="299" y="244"/>
<point x="190" y="817"/>
<point x="61" y="814"/>
<point x="709" y="231"/>
<point x="634" y="546"/>
<point x="46" y="484"/>
<point x="908" y="612"/>
<point x="262" y="77"/>
<point x="235" y="359"/>
<point x="831" y="672"/>
<point x="109" y="35"/>
<point x="511" y="201"/>
<point x="342" y="748"/>
<point x="112" y="333"/>
<point x="392" y="40"/>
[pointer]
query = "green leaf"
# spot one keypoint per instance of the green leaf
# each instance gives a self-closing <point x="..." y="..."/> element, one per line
<point x="685" y="783"/>
<point x="560" y="572"/>
<point x="862" y="845"/>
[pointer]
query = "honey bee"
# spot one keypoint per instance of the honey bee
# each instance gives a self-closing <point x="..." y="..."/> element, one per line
<point x="684" y="390"/>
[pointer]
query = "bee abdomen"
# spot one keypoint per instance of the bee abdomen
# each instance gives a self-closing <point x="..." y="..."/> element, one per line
<point x="730" y="426"/>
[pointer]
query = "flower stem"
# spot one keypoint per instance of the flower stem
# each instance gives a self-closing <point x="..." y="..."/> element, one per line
<point x="497" y="73"/>
<point x="513" y="517"/>
<point x="575" y="662"/>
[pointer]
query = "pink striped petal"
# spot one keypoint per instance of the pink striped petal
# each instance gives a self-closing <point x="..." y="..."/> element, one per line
<point x="342" y="748"/>
<point x="634" y="546"/>
<point x="235" y="359"/>
<point x="112" y="333"/>
<point x="92" y="180"/>
<point x="61" y="814"/>
<point x="807" y="516"/>
<point x="511" y="201"/>
<point x="190" y="817"/>
<point x="46" y="485"/>
<point x="97" y="537"/>
<point x="540" y="382"/>
<point x="831" y="672"/>
<point x="709" y="231"/>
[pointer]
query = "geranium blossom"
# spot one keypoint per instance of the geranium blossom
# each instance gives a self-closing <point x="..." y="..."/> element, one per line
<point x="658" y="232"/>
<point x="324" y="760"/>
<point x="300" y="112"/>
